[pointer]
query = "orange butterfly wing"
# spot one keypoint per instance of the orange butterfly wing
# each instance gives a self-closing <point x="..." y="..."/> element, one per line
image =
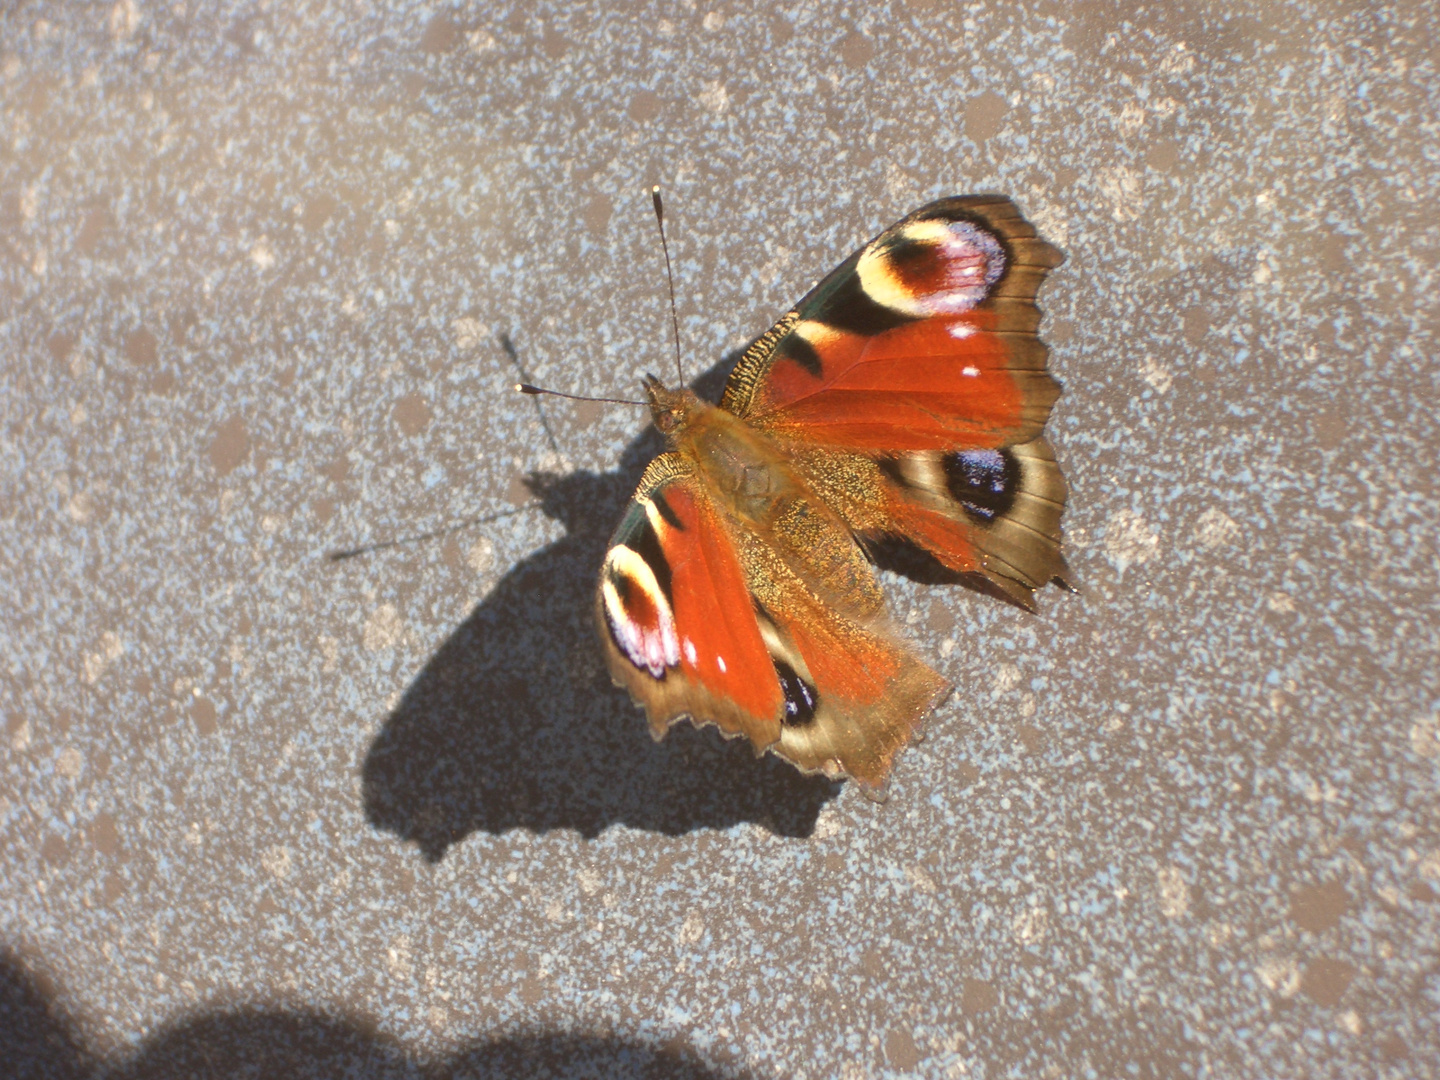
<point x="676" y="616"/>
<point x="930" y="385"/>
<point x="910" y="386"/>
<point x="709" y="617"/>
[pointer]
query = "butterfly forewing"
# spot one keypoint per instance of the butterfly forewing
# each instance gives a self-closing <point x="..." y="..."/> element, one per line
<point x="676" y="615"/>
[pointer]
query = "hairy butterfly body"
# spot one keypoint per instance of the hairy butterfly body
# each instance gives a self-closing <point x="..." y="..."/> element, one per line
<point x="901" y="400"/>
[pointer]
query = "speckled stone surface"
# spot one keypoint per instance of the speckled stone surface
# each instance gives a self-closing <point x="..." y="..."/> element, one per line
<point x="267" y="272"/>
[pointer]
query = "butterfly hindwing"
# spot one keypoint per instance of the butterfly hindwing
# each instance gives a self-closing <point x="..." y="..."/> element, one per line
<point x="991" y="512"/>
<point x="867" y="692"/>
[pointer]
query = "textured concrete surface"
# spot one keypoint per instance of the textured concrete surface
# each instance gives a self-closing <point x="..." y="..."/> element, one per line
<point x="266" y="274"/>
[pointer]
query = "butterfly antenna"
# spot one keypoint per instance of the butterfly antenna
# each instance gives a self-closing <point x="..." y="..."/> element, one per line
<point x="669" y="277"/>
<point x="514" y="355"/>
<point x="434" y="534"/>
<point x="526" y="388"/>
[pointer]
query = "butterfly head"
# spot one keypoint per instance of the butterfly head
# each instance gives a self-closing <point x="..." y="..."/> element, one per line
<point x="671" y="410"/>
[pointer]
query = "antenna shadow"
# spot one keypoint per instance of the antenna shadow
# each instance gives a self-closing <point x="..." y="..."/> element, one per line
<point x="514" y="723"/>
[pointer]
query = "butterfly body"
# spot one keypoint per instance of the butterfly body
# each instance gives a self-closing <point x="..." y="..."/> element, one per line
<point x="903" y="398"/>
<point x="753" y="484"/>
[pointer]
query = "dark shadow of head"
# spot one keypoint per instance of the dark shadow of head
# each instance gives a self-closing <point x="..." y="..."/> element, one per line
<point x="514" y="723"/>
<point x="35" y="1039"/>
<point x="228" y="1043"/>
<point x="298" y="1044"/>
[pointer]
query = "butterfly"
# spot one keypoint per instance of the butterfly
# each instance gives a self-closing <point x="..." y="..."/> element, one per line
<point x="901" y="401"/>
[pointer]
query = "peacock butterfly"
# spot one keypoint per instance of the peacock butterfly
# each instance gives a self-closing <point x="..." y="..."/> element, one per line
<point x="902" y="400"/>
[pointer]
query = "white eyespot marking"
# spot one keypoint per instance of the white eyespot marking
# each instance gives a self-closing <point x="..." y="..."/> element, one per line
<point x="721" y="661"/>
<point x="960" y="330"/>
<point x="641" y="622"/>
<point x="970" y="370"/>
<point x="932" y="267"/>
<point x="688" y="648"/>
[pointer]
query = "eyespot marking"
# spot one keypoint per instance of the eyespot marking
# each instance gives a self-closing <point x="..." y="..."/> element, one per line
<point x="932" y="267"/>
<point x="801" y="700"/>
<point x="644" y="541"/>
<point x="637" y="612"/>
<point x="984" y="482"/>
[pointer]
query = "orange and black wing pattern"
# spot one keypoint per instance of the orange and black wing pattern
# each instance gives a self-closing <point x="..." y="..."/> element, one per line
<point x="676" y="615"/>
<point x="910" y="387"/>
<point x="701" y="618"/>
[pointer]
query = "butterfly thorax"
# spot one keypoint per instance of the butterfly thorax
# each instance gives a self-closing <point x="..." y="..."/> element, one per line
<point x="751" y="482"/>
<point x="738" y="463"/>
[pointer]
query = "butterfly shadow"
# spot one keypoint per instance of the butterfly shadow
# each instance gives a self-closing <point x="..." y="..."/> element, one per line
<point x="514" y="722"/>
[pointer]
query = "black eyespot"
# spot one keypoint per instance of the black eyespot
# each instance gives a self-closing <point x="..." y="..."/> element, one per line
<point x="984" y="482"/>
<point x="801" y="701"/>
<point x="908" y="256"/>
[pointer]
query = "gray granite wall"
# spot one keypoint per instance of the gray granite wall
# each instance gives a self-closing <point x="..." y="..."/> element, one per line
<point x="267" y="272"/>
